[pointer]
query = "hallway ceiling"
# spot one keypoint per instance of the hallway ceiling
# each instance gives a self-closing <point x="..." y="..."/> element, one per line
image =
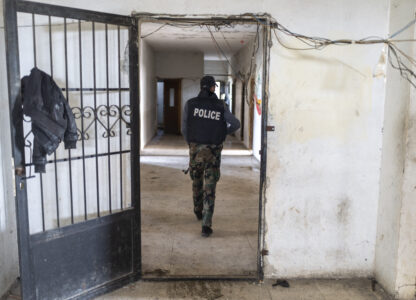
<point x="196" y="38"/>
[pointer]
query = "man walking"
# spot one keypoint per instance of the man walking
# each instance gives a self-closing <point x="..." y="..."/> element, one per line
<point x="205" y="123"/>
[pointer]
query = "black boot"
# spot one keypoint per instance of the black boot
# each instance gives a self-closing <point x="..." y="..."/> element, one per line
<point x="206" y="231"/>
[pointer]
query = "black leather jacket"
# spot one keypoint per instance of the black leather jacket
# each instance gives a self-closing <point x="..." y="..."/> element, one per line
<point x="52" y="118"/>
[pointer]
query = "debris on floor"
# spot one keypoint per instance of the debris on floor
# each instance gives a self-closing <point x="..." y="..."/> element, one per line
<point x="281" y="282"/>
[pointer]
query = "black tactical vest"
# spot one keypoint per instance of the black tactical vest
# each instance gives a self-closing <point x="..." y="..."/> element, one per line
<point x="206" y="123"/>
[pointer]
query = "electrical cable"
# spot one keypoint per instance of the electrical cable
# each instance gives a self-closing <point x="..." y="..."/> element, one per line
<point x="403" y="29"/>
<point x="222" y="52"/>
<point x="149" y="34"/>
<point x="396" y="55"/>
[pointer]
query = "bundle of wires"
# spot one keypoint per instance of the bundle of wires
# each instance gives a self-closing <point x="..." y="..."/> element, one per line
<point x="398" y="59"/>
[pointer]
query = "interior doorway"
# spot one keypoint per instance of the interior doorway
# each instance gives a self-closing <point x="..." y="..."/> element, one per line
<point x="234" y="54"/>
<point x="172" y="106"/>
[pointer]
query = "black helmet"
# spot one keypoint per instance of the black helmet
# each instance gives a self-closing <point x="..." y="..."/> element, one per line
<point x="207" y="82"/>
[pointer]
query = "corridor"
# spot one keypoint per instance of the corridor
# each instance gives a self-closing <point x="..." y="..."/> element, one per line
<point x="171" y="236"/>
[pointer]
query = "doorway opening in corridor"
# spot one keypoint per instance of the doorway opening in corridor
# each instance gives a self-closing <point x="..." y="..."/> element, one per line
<point x="174" y="54"/>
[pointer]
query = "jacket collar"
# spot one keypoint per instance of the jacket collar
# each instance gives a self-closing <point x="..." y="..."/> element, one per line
<point x="207" y="94"/>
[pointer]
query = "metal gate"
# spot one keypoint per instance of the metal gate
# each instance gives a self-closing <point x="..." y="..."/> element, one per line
<point x="78" y="223"/>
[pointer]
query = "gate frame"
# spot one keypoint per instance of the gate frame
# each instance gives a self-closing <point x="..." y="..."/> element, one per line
<point x="264" y="20"/>
<point x="26" y="267"/>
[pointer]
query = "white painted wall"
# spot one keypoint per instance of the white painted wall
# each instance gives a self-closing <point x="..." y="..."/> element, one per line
<point x="238" y="104"/>
<point x="405" y="285"/>
<point x="241" y="64"/>
<point x="215" y="68"/>
<point x="189" y="66"/>
<point x="148" y="93"/>
<point x="9" y="265"/>
<point x="395" y="263"/>
<point x="324" y="159"/>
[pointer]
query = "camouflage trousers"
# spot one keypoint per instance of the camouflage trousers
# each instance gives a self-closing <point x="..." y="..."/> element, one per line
<point x="204" y="169"/>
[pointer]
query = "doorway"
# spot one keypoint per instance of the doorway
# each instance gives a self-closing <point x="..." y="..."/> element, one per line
<point x="172" y="244"/>
<point x="172" y="106"/>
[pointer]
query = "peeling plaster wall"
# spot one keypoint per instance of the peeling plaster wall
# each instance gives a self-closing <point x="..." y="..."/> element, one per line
<point x="148" y="95"/>
<point x="395" y="264"/>
<point x="406" y="273"/>
<point x="323" y="160"/>
<point x="241" y="62"/>
<point x="9" y="265"/>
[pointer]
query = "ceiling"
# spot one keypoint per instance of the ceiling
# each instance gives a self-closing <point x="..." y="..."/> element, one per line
<point x="167" y="37"/>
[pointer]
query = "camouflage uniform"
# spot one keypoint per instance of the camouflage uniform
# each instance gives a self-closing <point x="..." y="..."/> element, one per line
<point x="204" y="163"/>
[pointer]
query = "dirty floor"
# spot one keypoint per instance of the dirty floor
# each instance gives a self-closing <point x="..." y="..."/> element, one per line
<point x="348" y="289"/>
<point x="171" y="235"/>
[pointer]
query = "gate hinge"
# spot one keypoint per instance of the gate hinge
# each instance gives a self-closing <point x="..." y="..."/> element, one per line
<point x="270" y="128"/>
<point x="264" y="252"/>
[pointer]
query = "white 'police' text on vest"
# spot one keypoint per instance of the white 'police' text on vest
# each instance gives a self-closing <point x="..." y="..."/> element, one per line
<point x="207" y="114"/>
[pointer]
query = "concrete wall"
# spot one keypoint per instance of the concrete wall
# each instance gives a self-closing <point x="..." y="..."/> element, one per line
<point x="9" y="265"/>
<point x="406" y="265"/>
<point x="395" y="264"/>
<point x="324" y="159"/>
<point x="189" y="66"/>
<point x="238" y="104"/>
<point x="148" y="94"/>
<point x="241" y="62"/>
<point x="216" y="68"/>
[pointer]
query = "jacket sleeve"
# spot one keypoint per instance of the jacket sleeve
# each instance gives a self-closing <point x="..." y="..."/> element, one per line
<point x="71" y="135"/>
<point x="185" y="122"/>
<point x="232" y="122"/>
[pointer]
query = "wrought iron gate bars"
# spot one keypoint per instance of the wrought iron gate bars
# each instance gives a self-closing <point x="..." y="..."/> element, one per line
<point x="108" y="116"/>
<point x="120" y="119"/>
<point x="121" y="113"/>
<point x="71" y="195"/>
<point x="97" y="174"/>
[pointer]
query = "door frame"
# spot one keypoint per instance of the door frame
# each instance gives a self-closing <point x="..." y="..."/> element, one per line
<point x="265" y="22"/>
<point x="24" y="238"/>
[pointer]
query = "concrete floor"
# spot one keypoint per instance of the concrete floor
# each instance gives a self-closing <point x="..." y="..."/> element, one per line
<point x="348" y="289"/>
<point x="170" y="144"/>
<point x="301" y="289"/>
<point x="171" y="235"/>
